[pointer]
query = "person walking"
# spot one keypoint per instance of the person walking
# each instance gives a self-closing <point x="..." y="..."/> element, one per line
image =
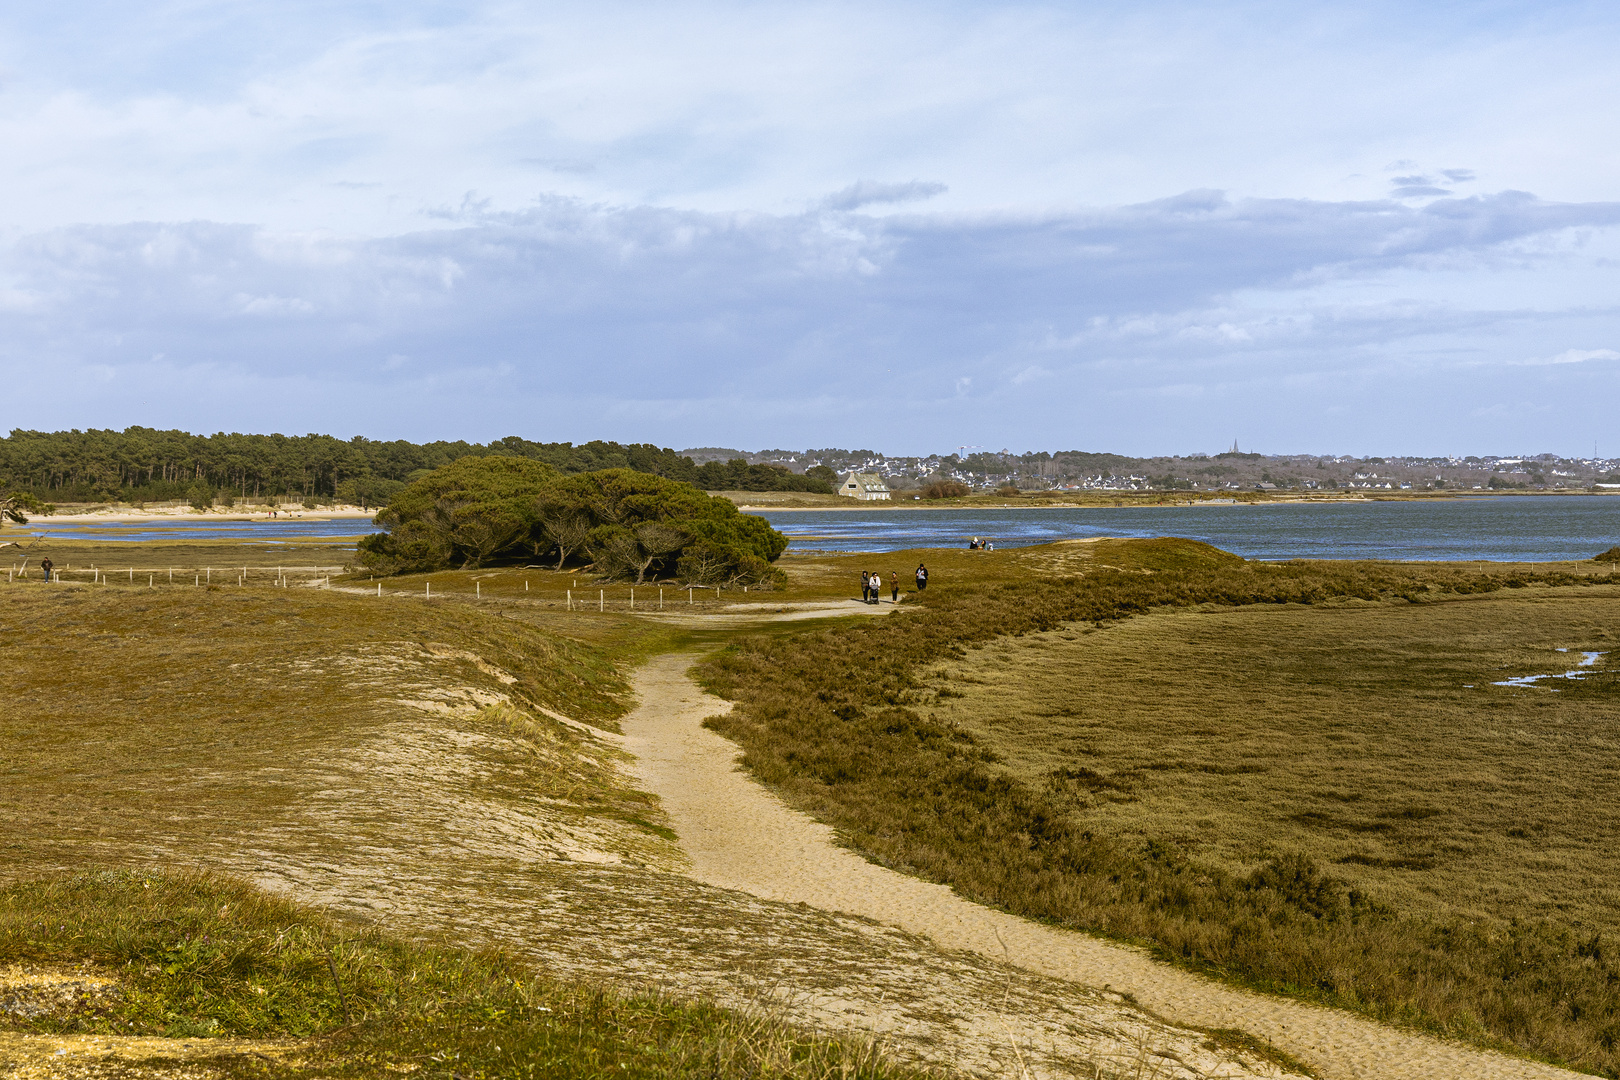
<point x="894" y="587"/>
<point x="922" y="577"/>
<point x="866" y="586"/>
<point x="877" y="587"/>
<point x="46" y="565"/>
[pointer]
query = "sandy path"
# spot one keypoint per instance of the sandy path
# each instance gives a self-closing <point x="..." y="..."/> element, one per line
<point x="740" y="836"/>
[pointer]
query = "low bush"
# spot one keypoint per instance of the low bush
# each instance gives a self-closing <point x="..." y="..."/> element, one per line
<point x="946" y="489"/>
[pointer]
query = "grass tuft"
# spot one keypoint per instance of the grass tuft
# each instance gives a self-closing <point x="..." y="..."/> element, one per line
<point x="200" y="956"/>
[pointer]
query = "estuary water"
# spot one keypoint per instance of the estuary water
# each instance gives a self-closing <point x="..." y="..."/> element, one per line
<point x="1506" y="528"/>
<point x="1537" y="528"/>
<point x="251" y="530"/>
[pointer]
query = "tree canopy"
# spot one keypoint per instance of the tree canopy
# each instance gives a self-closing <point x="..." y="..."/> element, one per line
<point x="625" y="524"/>
<point x="143" y="464"/>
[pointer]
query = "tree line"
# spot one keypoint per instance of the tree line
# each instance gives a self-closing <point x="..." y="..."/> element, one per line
<point x="142" y="464"/>
<point x="627" y="525"/>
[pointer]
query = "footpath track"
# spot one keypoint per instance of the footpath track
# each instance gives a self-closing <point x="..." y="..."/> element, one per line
<point x="740" y="836"/>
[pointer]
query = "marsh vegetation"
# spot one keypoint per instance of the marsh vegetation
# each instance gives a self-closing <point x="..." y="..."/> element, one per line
<point x="1295" y="776"/>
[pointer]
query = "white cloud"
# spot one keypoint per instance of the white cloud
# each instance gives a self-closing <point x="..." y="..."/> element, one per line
<point x="1576" y="356"/>
<point x="272" y="305"/>
<point x="362" y="117"/>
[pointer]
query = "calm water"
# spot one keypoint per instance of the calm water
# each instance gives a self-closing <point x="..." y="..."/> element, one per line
<point x="1527" y="529"/>
<point x="1524" y="529"/>
<point x="263" y="530"/>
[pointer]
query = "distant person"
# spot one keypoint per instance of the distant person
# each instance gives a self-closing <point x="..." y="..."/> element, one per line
<point x="922" y="577"/>
<point x="866" y="586"/>
<point x="894" y="587"/>
<point x="973" y="544"/>
<point x="46" y="565"/>
<point x="877" y="588"/>
<point x="988" y="546"/>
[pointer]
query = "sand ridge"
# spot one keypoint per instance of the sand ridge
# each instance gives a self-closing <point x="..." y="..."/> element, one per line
<point x="740" y="836"/>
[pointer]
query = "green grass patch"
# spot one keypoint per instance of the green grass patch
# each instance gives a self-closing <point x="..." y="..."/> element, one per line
<point x="196" y="956"/>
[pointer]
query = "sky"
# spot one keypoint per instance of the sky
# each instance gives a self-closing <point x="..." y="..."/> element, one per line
<point x="1145" y="228"/>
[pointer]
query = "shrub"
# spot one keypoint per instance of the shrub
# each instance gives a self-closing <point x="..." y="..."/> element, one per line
<point x="200" y="497"/>
<point x="630" y="524"/>
<point x="946" y="489"/>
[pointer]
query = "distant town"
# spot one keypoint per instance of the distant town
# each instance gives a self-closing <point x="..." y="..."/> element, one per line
<point x="1230" y="470"/>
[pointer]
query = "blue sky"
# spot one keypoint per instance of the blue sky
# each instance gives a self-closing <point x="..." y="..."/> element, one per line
<point x="1147" y="228"/>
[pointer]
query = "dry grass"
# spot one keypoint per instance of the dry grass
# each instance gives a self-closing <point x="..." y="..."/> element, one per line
<point x="231" y="708"/>
<point x="396" y="762"/>
<point x="1005" y="799"/>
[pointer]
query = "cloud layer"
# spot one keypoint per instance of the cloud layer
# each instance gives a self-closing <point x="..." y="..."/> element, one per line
<point x="1103" y="328"/>
<point x="1146" y="227"/>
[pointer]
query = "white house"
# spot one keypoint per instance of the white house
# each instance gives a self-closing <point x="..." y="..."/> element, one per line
<point x="868" y="487"/>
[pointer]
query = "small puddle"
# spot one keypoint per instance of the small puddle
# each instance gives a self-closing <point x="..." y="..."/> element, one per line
<point x="1588" y="659"/>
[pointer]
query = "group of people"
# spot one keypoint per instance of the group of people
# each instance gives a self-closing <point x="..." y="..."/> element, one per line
<point x="872" y="585"/>
<point x="976" y="544"/>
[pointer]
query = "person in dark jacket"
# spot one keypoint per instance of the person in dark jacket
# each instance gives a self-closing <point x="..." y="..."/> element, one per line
<point x="894" y="587"/>
<point x="46" y="565"/>
<point x="866" y="586"/>
<point x="922" y="577"/>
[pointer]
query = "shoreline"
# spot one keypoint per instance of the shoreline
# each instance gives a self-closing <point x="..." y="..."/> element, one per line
<point x="182" y="515"/>
<point x="1139" y="502"/>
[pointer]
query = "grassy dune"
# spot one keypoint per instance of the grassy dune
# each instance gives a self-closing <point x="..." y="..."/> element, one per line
<point x="1285" y="783"/>
<point x="440" y="769"/>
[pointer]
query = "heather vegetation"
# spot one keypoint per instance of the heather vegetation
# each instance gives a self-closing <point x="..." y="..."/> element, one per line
<point x="1011" y="796"/>
<point x="625" y="525"/>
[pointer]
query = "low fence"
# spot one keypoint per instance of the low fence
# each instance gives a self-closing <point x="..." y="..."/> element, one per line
<point x="176" y="575"/>
<point x="646" y="598"/>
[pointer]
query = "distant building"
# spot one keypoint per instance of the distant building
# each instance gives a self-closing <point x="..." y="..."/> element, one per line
<point x="868" y="487"/>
